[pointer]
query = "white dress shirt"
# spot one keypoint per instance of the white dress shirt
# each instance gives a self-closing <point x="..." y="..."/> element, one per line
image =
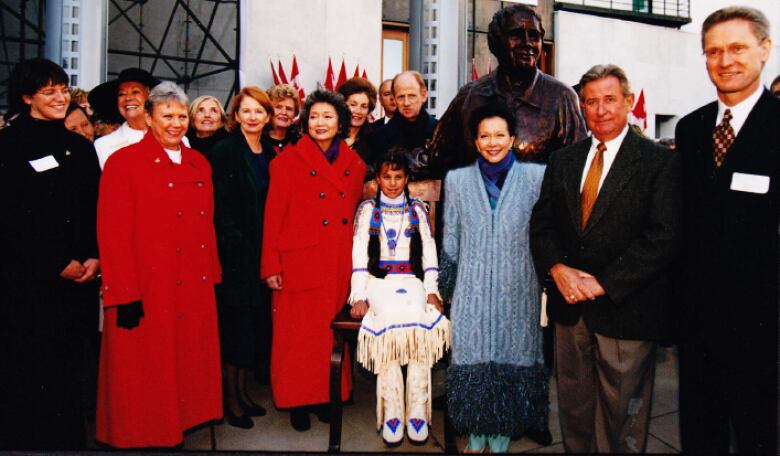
<point x="739" y="111"/>
<point x="613" y="146"/>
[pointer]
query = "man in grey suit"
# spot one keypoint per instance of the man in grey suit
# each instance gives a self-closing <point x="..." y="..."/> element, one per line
<point x="604" y="232"/>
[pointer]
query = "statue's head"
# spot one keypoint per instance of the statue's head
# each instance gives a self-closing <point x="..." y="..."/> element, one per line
<point x="515" y="36"/>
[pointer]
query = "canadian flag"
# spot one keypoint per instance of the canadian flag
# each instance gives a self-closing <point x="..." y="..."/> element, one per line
<point x="364" y="75"/>
<point x="329" y="76"/>
<point x="295" y="79"/>
<point x="342" y="75"/>
<point x="357" y="71"/>
<point x="474" y="73"/>
<point x="639" y="113"/>
<point x="282" y="74"/>
<point x="273" y="71"/>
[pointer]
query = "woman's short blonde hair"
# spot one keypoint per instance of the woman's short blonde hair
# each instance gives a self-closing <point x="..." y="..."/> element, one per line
<point x="281" y="91"/>
<point x="197" y="102"/>
<point x="254" y="92"/>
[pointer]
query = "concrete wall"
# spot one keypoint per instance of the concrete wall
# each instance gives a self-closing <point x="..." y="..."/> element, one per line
<point x="313" y="30"/>
<point x="666" y="63"/>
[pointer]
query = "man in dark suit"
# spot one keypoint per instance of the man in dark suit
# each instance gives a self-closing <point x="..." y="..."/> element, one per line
<point x="729" y="269"/>
<point x="387" y="100"/>
<point x="604" y="232"/>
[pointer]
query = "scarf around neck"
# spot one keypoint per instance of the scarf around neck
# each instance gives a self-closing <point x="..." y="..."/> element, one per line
<point x="494" y="175"/>
<point x="332" y="152"/>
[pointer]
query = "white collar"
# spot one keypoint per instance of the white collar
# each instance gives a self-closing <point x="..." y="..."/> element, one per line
<point x="739" y="111"/>
<point x="397" y="201"/>
<point x="613" y="145"/>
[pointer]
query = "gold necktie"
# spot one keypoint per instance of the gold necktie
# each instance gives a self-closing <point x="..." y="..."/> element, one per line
<point x="590" y="190"/>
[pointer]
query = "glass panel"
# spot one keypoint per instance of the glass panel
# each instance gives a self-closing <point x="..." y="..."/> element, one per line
<point x="75" y="29"/>
<point x="74" y="80"/>
<point x="74" y="63"/>
<point x="392" y="58"/>
<point x="433" y="50"/>
<point x="74" y="46"/>
<point x="75" y="11"/>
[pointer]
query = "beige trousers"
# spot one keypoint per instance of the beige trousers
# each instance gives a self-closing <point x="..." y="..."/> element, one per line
<point x="605" y="388"/>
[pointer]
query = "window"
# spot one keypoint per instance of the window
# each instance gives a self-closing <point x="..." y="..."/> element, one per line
<point x="65" y="64"/>
<point x="395" y="49"/>
<point x="74" y="46"/>
<point x="75" y="29"/>
<point x="74" y="63"/>
<point x="74" y="80"/>
<point x="75" y="11"/>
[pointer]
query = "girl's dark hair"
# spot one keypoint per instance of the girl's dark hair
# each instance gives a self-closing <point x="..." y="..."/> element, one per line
<point x="395" y="159"/>
<point x="332" y="98"/>
<point x="28" y="77"/>
<point x="492" y="110"/>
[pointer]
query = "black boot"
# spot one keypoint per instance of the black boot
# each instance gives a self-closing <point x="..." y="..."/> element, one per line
<point x="299" y="419"/>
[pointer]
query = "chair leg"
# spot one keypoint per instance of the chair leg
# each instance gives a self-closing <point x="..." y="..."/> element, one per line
<point x="336" y="363"/>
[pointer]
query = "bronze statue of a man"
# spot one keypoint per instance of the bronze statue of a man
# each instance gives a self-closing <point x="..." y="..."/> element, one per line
<point x="547" y="111"/>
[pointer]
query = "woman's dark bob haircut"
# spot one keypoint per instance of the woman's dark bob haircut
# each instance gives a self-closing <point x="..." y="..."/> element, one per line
<point x="28" y="77"/>
<point x="332" y="98"/>
<point x="492" y="110"/>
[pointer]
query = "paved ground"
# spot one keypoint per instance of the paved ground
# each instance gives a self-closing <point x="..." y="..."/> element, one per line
<point x="274" y="433"/>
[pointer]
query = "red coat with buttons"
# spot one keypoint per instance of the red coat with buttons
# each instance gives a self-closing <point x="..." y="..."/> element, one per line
<point x="157" y="244"/>
<point x="308" y="240"/>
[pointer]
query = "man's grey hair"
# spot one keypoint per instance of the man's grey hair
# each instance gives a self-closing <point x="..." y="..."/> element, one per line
<point x="604" y="71"/>
<point x="759" y="24"/>
<point x="164" y="92"/>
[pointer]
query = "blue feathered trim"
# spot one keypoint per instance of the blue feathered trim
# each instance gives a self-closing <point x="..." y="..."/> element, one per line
<point x="492" y="398"/>
<point x="448" y="274"/>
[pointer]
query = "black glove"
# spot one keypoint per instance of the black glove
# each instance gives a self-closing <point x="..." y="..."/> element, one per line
<point x="129" y="315"/>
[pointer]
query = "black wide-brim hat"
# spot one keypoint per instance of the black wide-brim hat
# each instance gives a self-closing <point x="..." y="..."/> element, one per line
<point x="103" y="98"/>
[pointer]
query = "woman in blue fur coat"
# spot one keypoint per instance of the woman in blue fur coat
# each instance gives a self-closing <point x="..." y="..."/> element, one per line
<point x="496" y="384"/>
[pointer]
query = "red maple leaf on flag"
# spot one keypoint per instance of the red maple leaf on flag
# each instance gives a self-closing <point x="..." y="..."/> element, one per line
<point x="295" y="78"/>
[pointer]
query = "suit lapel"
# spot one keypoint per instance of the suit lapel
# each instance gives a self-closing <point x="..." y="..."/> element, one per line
<point x="704" y="154"/>
<point x="572" y="178"/>
<point x="751" y="133"/>
<point x="625" y="165"/>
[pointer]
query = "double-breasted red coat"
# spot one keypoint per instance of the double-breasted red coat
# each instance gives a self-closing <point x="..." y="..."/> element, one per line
<point x="157" y="244"/>
<point x="308" y="240"/>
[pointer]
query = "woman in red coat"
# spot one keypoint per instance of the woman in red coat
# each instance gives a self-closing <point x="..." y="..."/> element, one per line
<point x="159" y="363"/>
<point x="315" y="187"/>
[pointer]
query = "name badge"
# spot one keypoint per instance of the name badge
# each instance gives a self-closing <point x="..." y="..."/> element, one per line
<point x="44" y="164"/>
<point x="751" y="183"/>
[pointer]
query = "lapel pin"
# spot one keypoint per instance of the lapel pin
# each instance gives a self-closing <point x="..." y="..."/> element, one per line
<point x="157" y="160"/>
<point x="67" y="152"/>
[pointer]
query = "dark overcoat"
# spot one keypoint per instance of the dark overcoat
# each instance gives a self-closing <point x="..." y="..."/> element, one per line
<point x="48" y="219"/>
<point x="239" y="204"/>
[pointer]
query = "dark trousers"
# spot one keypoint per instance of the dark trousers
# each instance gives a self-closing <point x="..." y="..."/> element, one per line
<point x="728" y="381"/>
<point x="605" y="389"/>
